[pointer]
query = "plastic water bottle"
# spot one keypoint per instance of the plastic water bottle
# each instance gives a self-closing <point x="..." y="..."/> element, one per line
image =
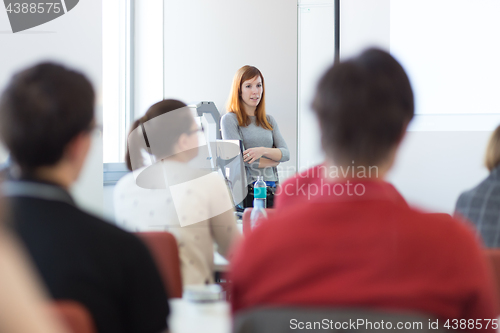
<point x="260" y="190"/>
<point x="258" y="213"/>
<point x="259" y="202"/>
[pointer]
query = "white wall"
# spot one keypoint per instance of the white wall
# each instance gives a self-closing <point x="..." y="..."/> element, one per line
<point x="316" y="54"/>
<point x="148" y="55"/>
<point x="74" y="39"/>
<point x="433" y="167"/>
<point x="363" y="23"/>
<point x="207" y="41"/>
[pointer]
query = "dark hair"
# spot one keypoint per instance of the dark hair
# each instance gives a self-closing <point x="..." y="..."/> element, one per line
<point x="177" y="124"/>
<point x="42" y="109"/>
<point x="363" y="105"/>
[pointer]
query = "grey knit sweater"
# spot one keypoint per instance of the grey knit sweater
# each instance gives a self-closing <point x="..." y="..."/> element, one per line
<point x="255" y="136"/>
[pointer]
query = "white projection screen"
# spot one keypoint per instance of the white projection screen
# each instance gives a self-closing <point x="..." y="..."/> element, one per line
<point x="451" y="51"/>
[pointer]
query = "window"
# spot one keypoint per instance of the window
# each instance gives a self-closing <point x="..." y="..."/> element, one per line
<point x="117" y="46"/>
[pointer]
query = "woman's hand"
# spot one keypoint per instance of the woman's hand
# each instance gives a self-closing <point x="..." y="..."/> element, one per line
<point x="252" y="154"/>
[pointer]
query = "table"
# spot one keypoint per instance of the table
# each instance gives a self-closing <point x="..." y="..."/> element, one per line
<point x="192" y="317"/>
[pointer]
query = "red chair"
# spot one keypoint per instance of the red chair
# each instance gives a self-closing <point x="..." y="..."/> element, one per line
<point x="493" y="256"/>
<point x="247" y="226"/>
<point x="163" y="247"/>
<point x="75" y="316"/>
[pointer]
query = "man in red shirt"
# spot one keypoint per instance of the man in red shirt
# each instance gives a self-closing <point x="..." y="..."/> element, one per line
<point x="352" y="241"/>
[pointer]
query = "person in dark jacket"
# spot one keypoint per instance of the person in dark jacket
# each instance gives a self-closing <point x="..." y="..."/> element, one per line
<point x="46" y="122"/>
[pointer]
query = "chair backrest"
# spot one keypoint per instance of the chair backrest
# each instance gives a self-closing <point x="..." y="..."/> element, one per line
<point x="163" y="247"/>
<point x="75" y="316"/>
<point x="493" y="256"/>
<point x="291" y="319"/>
<point x="247" y="226"/>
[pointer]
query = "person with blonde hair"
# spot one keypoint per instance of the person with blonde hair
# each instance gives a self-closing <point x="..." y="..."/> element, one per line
<point x="481" y="205"/>
<point x="246" y="120"/>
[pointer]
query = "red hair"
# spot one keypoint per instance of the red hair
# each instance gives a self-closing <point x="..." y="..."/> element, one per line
<point x="234" y="104"/>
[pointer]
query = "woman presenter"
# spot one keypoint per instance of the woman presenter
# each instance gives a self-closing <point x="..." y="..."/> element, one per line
<point x="246" y="120"/>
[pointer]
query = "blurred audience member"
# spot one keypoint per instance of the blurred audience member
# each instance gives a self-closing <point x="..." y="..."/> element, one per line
<point x="481" y="205"/>
<point x="23" y="306"/>
<point x="46" y="121"/>
<point x="357" y="244"/>
<point x="194" y="205"/>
